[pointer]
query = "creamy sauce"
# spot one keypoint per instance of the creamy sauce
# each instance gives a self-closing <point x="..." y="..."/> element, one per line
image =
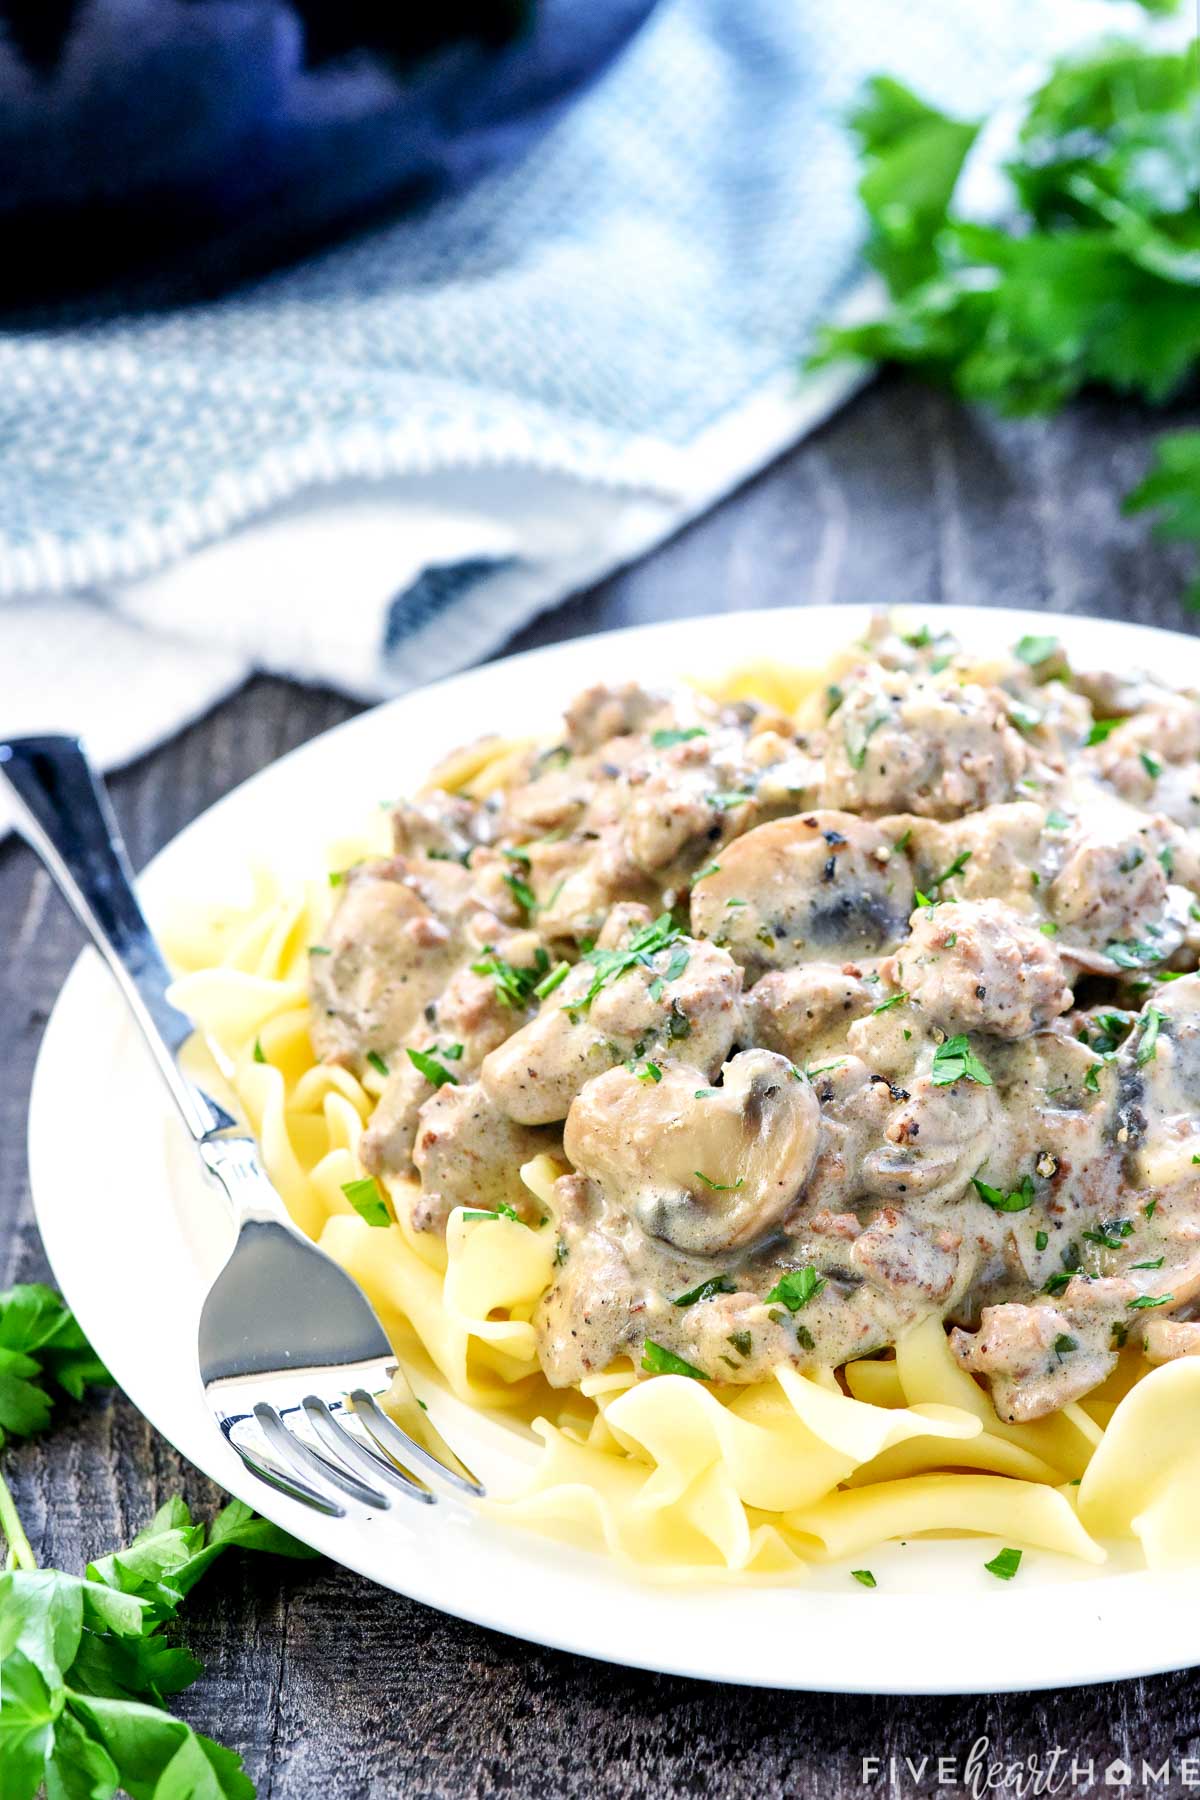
<point x="833" y="1028"/>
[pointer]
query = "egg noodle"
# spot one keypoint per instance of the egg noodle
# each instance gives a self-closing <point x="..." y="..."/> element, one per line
<point x="678" y="1478"/>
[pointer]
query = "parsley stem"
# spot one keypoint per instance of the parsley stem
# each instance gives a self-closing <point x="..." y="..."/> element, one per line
<point x="20" y="1551"/>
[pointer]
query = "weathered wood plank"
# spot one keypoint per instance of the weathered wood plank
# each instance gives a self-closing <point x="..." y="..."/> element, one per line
<point x="329" y="1686"/>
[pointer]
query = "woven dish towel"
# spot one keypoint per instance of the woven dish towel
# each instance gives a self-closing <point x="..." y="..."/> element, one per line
<point x="371" y="468"/>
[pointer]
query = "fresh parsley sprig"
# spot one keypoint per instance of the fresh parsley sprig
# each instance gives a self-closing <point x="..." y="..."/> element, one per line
<point x="87" y="1663"/>
<point x="1092" y="279"/>
<point x="956" y="1061"/>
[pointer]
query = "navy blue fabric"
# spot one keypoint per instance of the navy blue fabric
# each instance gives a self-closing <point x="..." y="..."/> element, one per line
<point x="142" y="132"/>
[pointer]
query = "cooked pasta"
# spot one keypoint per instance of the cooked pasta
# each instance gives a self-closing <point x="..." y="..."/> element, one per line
<point x="873" y="1087"/>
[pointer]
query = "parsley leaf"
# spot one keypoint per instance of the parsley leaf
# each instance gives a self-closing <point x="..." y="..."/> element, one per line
<point x="1101" y="729"/>
<point x="716" y="1284"/>
<point x="85" y="1664"/>
<point x="719" y="1187"/>
<point x="797" y="1288"/>
<point x="663" y="740"/>
<point x="426" y="1063"/>
<point x="610" y="965"/>
<point x="1132" y="955"/>
<point x="367" y="1201"/>
<point x="1034" y="650"/>
<point x="956" y="868"/>
<point x="514" y="986"/>
<point x="864" y="1577"/>
<point x="41" y="1349"/>
<point x="1019" y="1200"/>
<point x="1092" y="278"/>
<point x="1152" y="1023"/>
<point x="658" y="1360"/>
<point x="1004" y="1565"/>
<point x="956" y="1061"/>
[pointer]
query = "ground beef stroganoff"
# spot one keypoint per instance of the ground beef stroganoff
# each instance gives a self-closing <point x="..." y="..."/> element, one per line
<point x="834" y="1025"/>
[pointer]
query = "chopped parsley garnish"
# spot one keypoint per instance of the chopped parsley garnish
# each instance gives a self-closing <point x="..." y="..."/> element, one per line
<point x="1101" y="729"/>
<point x="1025" y="718"/>
<point x="658" y="1360"/>
<point x="522" y="893"/>
<point x="377" y="1063"/>
<point x="319" y="950"/>
<point x="1166" y="857"/>
<point x="663" y="740"/>
<point x="1144" y="1301"/>
<point x="956" y="868"/>
<point x="513" y="986"/>
<point x="1114" y="1028"/>
<point x="726" y="802"/>
<point x="1034" y="650"/>
<point x="518" y="856"/>
<point x="718" y="1187"/>
<point x="1005" y="1565"/>
<point x="259" y="1053"/>
<point x="367" y="1201"/>
<point x="649" y="1071"/>
<point x="713" y="868"/>
<point x="1063" y="1345"/>
<point x="956" y="1061"/>
<point x="856" y="741"/>
<point x="557" y="757"/>
<point x="1019" y="1200"/>
<point x="426" y="1061"/>
<point x="336" y="877"/>
<point x="554" y="979"/>
<point x="716" y="1284"/>
<point x="610" y="965"/>
<point x="1040" y="1240"/>
<point x="797" y="1288"/>
<point x="1155" y="1262"/>
<point x="902" y="841"/>
<point x="742" y="1342"/>
<point x="1148" y="1209"/>
<point x="1057" y="1282"/>
<point x="1057" y="821"/>
<point x="824" y="1068"/>
<point x="1151" y="764"/>
<point x="1110" y="1236"/>
<point x="503" y="1211"/>
<point x="1132" y="955"/>
<point x="704" y="1093"/>
<point x="887" y="1005"/>
<point x="1147" y="1048"/>
<point x="864" y="1577"/>
<point x="1048" y="928"/>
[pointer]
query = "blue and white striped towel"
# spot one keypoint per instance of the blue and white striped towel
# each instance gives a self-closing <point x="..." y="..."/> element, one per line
<point x="370" y="469"/>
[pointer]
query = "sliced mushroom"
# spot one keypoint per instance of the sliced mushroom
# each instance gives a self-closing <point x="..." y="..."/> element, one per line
<point x="386" y="954"/>
<point x="706" y="1169"/>
<point x="822" y="887"/>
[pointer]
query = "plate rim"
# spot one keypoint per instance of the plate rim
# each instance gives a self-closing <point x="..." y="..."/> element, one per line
<point x="1111" y="1598"/>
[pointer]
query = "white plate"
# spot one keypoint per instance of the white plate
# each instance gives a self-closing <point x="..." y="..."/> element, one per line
<point x="134" y="1236"/>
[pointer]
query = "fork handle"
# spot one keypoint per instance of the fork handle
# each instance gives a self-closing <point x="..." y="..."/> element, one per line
<point x="63" y="812"/>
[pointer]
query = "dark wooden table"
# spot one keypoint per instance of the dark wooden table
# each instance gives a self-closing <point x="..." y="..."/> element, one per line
<point x="330" y="1687"/>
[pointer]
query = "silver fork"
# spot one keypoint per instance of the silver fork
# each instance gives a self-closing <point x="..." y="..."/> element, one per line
<point x="292" y="1356"/>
